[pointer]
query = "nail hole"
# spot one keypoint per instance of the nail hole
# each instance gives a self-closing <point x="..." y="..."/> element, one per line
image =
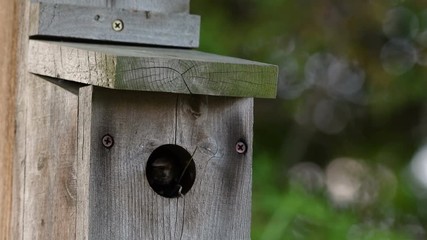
<point x="171" y="171"/>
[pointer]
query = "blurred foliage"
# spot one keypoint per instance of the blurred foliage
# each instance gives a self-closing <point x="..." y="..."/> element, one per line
<point x="353" y="85"/>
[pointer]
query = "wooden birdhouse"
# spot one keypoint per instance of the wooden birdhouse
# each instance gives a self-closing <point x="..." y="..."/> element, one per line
<point x="129" y="133"/>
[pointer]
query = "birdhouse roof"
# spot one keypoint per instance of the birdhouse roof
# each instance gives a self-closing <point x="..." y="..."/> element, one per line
<point x="152" y="69"/>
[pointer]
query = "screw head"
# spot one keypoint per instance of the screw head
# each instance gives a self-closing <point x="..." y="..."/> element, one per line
<point x="107" y="141"/>
<point x="241" y="147"/>
<point x="117" y="25"/>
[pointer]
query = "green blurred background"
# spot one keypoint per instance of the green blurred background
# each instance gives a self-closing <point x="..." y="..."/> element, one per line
<point x="340" y="154"/>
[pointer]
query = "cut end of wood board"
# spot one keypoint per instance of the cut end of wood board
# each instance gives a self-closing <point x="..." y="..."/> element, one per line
<point x="153" y="69"/>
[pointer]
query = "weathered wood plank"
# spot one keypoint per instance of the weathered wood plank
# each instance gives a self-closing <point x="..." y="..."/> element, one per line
<point x="153" y="69"/>
<point x="45" y="152"/>
<point x="20" y="124"/>
<point x="83" y="161"/>
<point x="96" y="23"/>
<point x="121" y="203"/>
<point x="50" y="162"/>
<point x="166" y="6"/>
<point x="219" y="207"/>
<point x="9" y="13"/>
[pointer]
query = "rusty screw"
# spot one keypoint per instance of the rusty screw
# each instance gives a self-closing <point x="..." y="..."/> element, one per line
<point x="107" y="141"/>
<point x="241" y="147"/>
<point x="118" y="25"/>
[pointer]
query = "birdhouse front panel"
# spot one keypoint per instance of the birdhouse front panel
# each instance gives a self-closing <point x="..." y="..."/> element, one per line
<point x="163" y="165"/>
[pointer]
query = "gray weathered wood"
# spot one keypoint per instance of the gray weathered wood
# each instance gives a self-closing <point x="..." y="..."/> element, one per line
<point x="166" y="6"/>
<point x="50" y="162"/>
<point x="22" y="104"/>
<point x="95" y="23"/>
<point x="83" y="162"/>
<point x="223" y="189"/>
<point x="153" y="69"/>
<point x="44" y="187"/>
<point x="121" y="203"/>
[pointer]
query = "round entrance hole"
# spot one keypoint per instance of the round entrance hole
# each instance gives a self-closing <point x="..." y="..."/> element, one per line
<point x="171" y="171"/>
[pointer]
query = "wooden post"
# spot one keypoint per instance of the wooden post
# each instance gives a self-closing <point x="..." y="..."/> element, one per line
<point x="120" y="142"/>
<point x="8" y="50"/>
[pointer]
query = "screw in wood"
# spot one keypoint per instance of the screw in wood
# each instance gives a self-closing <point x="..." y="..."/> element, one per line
<point x="118" y="25"/>
<point x="241" y="147"/>
<point x="107" y="141"/>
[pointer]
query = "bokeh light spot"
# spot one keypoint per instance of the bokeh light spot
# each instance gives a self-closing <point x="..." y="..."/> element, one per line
<point x="400" y="22"/>
<point x="398" y="56"/>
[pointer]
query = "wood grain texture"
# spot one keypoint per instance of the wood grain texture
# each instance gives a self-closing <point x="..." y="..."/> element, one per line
<point x="95" y="23"/>
<point x="83" y="161"/>
<point x="220" y="204"/>
<point x="50" y="164"/>
<point x="44" y="186"/>
<point x="121" y="203"/>
<point x="9" y="13"/>
<point x="166" y="6"/>
<point x="21" y="123"/>
<point x="153" y="69"/>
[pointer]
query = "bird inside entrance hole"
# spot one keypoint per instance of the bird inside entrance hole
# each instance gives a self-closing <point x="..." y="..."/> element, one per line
<point x="170" y="174"/>
<point x="165" y="174"/>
